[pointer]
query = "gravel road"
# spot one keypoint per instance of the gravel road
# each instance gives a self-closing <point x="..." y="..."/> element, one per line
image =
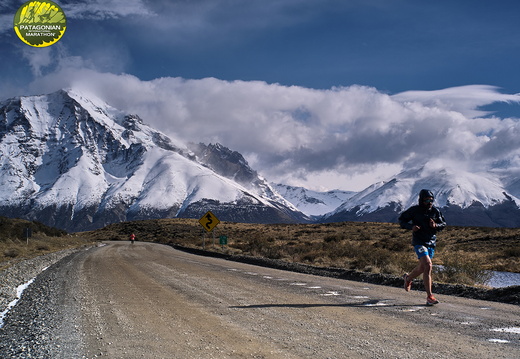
<point x="152" y="301"/>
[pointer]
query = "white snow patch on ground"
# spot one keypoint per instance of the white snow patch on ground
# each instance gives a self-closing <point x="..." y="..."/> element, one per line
<point x="19" y="291"/>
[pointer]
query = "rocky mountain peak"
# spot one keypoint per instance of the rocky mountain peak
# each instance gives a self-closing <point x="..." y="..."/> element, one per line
<point x="71" y="161"/>
<point x="230" y="164"/>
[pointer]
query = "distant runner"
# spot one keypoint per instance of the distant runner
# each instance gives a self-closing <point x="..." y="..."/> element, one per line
<point x="426" y="220"/>
<point x="132" y="238"/>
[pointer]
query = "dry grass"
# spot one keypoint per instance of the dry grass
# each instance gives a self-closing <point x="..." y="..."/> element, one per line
<point x="373" y="247"/>
<point x="15" y="250"/>
<point x="15" y="247"/>
<point x="465" y="252"/>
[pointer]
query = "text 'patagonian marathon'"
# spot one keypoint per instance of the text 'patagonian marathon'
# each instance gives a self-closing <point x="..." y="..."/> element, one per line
<point x="40" y="27"/>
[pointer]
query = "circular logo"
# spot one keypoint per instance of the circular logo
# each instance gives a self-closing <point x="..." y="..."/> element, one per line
<point x="40" y="23"/>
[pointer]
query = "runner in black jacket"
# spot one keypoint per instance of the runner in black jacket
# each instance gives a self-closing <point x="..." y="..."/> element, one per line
<point x="426" y="220"/>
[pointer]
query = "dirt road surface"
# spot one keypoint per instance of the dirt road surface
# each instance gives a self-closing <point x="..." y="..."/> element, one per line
<point x="152" y="301"/>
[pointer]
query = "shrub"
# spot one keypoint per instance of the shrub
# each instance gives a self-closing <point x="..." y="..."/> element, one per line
<point x="42" y="247"/>
<point x="461" y="268"/>
<point x="334" y="238"/>
<point x="512" y="252"/>
<point x="12" y="252"/>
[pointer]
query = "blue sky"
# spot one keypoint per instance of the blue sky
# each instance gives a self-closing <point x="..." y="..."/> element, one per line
<point x="322" y="93"/>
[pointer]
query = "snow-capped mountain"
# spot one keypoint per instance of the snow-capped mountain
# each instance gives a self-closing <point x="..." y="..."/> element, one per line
<point x="465" y="198"/>
<point x="313" y="203"/>
<point x="71" y="161"/>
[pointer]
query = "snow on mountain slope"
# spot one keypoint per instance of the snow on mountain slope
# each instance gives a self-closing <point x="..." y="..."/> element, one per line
<point x="174" y="179"/>
<point x="72" y="161"/>
<point x="467" y="188"/>
<point x="455" y="189"/>
<point x="450" y="186"/>
<point x="313" y="203"/>
<point x="513" y="187"/>
<point x="233" y="165"/>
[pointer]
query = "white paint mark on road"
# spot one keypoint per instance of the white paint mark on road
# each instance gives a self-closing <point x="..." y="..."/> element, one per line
<point x="515" y="330"/>
<point x="501" y="341"/>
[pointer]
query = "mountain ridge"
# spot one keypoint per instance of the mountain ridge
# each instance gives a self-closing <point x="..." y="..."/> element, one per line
<point x="76" y="163"/>
<point x="465" y="198"/>
<point x="71" y="161"/>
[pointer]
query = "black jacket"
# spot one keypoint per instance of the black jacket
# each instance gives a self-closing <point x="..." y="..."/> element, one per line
<point x="420" y="215"/>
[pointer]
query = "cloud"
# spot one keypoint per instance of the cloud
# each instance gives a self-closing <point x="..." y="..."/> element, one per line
<point x="8" y="9"/>
<point x="476" y="139"/>
<point x="503" y="142"/>
<point x="301" y="133"/>
<point x="38" y="58"/>
<point x="105" y="9"/>
<point x="464" y="99"/>
<point x="234" y="14"/>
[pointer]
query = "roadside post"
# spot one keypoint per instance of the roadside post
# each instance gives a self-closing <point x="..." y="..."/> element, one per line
<point x="28" y="234"/>
<point x="223" y="241"/>
<point x="208" y="221"/>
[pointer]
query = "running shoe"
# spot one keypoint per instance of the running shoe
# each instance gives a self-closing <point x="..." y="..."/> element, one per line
<point x="431" y="300"/>
<point x="407" y="282"/>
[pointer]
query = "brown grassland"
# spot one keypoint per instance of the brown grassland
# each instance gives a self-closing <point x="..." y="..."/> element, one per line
<point x="465" y="252"/>
<point x="15" y="247"/>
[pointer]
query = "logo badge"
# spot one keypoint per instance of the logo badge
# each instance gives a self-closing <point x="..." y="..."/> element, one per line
<point x="40" y="23"/>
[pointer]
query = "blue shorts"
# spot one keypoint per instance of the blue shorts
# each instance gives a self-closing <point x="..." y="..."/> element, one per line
<point x="422" y="251"/>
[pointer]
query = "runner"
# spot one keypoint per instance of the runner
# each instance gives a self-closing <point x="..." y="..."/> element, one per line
<point x="426" y="220"/>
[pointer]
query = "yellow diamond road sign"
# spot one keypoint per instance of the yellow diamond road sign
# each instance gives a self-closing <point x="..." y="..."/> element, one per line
<point x="209" y="221"/>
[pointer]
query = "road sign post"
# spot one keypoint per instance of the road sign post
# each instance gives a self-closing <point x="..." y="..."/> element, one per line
<point x="208" y="221"/>
<point x="28" y="234"/>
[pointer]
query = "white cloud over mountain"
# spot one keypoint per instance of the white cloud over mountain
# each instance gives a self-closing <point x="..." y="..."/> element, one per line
<point x="157" y="58"/>
<point x="296" y="134"/>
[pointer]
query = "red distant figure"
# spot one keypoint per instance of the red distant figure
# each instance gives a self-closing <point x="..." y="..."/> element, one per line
<point x="132" y="238"/>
